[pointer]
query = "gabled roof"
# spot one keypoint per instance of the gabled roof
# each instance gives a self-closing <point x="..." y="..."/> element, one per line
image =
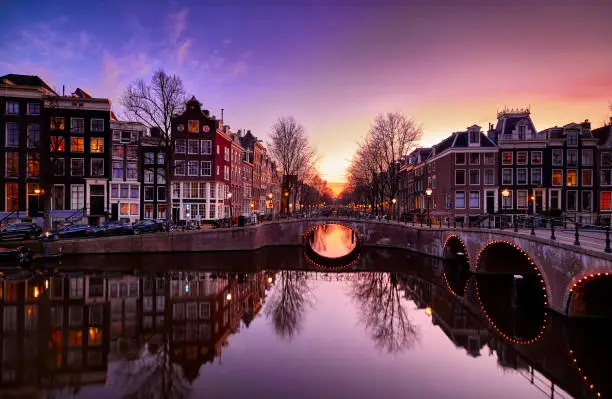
<point x="25" y="80"/>
<point x="561" y="132"/>
<point x="507" y="123"/>
<point x="603" y="135"/>
<point x="80" y="93"/>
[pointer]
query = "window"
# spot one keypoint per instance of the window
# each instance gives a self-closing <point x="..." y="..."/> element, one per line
<point x="12" y="197"/>
<point x="554" y="199"/>
<point x="57" y="123"/>
<point x="226" y="153"/>
<point x="97" y="167"/>
<point x="521" y="158"/>
<point x="124" y="191"/>
<point x="149" y="158"/>
<point x="489" y="158"/>
<point x="57" y="144"/>
<point x="12" y="134"/>
<point x="12" y="164"/>
<point x="77" y="125"/>
<point x="226" y="172"/>
<point x="77" y="166"/>
<point x="193" y="146"/>
<point x="77" y="144"/>
<point x="59" y="167"/>
<point x="522" y="132"/>
<point x="33" y="108"/>
<point x="557" y="177"/>
<point x="12" y="108"/>
<point x="536" y="176"/>
<point x="76" y="287"/>
<point x="97" y="125"/>
<point x="212" y="209"/>
<point x="132" y="171"/>
<point x="118" y="151"/>
<point x="460" y="158"/>
<point x="474" y="158"/>
<point x="587" y="201"/>
<point x="507" y="201"/>
<point x="193" y="126"/>
<point x="587" y="157"/>
<point x="572" y="139"/>
<point x="587" y="177"/>
<point x="161" y="176"/>
<point x="474" y="177"/>
<point x="134" y="191"/>
<point x="161" y="193"/>
<point x="521" y="199"/>
<point x="192" y="168"/>
<point x="218" y="152"/>
<point x="460" y="199"/>
<point x="572" y="200"/>
<point x="572" y="178"/>
<point x="489" y="177"/>
<point x="557" y="157"/>
<point x="33" y="165"/>
<point x="149" y="176"/>
<point x="605" y="201"/>
<point x="116" y="135"/>
<point x="507" y="177"/>
<point x="179" y="168"/>
<point x="161" y="158"/>
<point x="206" y="147"/>
<point x="118" y="170"/>
<point x="605" y="177"/>
<point x="148" y="211"/>
<point x="97" y="145"/>
<point x="521" y="176"/>
<point x="460" y="177"/>
<point x="474" y="199"/>
<point x="180" y="146"/>
<point x="474" y="137"/>
<point x="606" y="159"/>
<point x="536" y="157"/>
<point x="572" y="158"/>
<point x="77" y="196"/>
<point x="149" y="193"/>
<point x="33" y="135"/>
<point x="507" y="158"/>
<point x="114" y="191"/>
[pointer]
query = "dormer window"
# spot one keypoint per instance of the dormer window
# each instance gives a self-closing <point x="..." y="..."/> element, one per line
<point x="572" y="140"/>
<point x="474" y="137"/>
<point x="522" y="132"/>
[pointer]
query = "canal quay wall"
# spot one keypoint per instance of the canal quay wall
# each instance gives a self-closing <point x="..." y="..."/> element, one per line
<point x="560" y="263"/>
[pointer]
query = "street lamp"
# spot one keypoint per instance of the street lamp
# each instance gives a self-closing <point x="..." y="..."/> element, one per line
<point x="428" y="192"/>
<point x="393" y="200"/>
<point x="505" y="194"/>
<point x="229" y="196"/>
<point x="271" y="205"/>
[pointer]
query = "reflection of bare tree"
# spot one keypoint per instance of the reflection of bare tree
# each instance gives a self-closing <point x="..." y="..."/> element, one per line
<point x="288" y="302"/>
<point x="385" y="317"/>
<point x="153" y="374"/>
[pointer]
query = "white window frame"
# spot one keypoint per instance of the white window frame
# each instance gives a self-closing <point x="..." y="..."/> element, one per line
<point x="574" y="165"/>
<point x="202" y="168"/>
<point x="552" y="180"/>
<point x="202" y="144"/>
<point x="511" y="182"/>
<point x="531" y="177"/>
<point x="91" y="161"/>
<point x="518" y="183"/>
<point x="8" y="103"/>
<point x="176" y="162"/>
<point x="526" y="157"/>
<point x="29" y="108"/>
<point x="197" y="146"/>
<point x="6" y="131"/>
<point x="575" y="136"/>
<point x="601" y="174"/>
<point x="176" y="147"/>
<point x="470" y="158"/>
<point x="492" y="154"/>
<point x="587" y="151"/>
<point x="464" y="158"/>
<point x="526" y="204"/>
<point x="470" y="177"/>
<point x="189" y="168"/>
<point x="577" y="177"/>
<point x="582" y="177"/>
<point x="567" y="193"/>
<point x="550" y="198"/>
<point x="144" y="193"/>
<point x="464" y="203"/>
<point x="73" y="127"/>
<point x="541" y="158"/>
<point x="600" y="201"/>
<point x="552" y="159"/>
<point x="470" y="199"/>
<point x="511" y="158"/>
<point x="582" y="202"/>
<point x="485" y="177"/>
<point x="91" y="125"/>
<point x="464" y="177"/>
<point x="509" y="198"/>
<point x="63" y="161"/>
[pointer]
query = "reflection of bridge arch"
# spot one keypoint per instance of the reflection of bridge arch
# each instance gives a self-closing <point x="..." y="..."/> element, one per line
<point x="590" y="295"/>
<point x="505" y="257"/>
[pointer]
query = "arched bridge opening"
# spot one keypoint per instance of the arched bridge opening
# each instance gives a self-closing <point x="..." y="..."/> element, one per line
<point x="331" y="245"/>
<point x="456" y="251"/>
<point x="591" y="296"/>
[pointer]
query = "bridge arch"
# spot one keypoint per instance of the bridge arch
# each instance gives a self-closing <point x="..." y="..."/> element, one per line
<point x="454" y="246"/>
<point x="590" y="295"/>
<point x="311" y="229"/>
<point x="505" y="257"/>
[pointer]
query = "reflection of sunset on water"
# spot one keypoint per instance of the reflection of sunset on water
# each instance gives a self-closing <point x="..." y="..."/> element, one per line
<point x="332" y="241"/>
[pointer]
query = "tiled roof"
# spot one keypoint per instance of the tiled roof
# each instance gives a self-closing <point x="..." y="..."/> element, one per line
<point x="24" y="80"/>
<point x="603" y="135"/>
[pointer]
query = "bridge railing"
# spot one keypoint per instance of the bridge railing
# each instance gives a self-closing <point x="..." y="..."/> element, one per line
<point x="562" y="229"/>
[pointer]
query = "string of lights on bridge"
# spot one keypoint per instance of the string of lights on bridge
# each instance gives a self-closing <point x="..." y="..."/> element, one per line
<point x="584" y="377"/>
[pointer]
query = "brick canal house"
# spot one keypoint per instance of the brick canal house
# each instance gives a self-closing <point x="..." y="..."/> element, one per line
<point x="127" y="164"/>
<point x="199" y="181"/>
<point x="574" y="171"/>
<point x="603" y="159"/>
<point x="521" y="165"/>
<point x="414" y="171"/>
<point x="152" y="176"/>
<point x="236" y="178"/>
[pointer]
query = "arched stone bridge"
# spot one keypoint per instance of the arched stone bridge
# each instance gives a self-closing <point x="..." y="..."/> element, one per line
<point x="563" y="267"/>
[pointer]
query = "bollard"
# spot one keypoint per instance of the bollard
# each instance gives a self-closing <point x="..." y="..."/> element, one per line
<point x="608" y="249"/>
<point x="532" y="226"/>
<point x="489" y="221"/>
<point x="515" y="226"/>
<point x="552" y="230"/>
<point x="577" y="240"/>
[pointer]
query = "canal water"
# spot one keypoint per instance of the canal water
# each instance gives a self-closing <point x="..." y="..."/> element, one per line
<point x="273" y="324"/>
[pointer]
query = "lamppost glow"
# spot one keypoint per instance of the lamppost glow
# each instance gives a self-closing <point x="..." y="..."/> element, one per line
<point x="428" y="311"/>
<point x="269" y="280"/>
<point x="228" y="296"/>
<point x="428" y="192"/>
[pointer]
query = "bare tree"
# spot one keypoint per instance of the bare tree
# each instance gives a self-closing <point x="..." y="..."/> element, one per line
<point x="292" y="153"/>
<point x="383" y="311"/>
<point x="288" y="302"/>
<point x="155" y="104"/>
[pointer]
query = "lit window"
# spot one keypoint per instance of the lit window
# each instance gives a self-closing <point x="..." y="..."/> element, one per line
<point x="606" y="201"/>
<point x="587" y="177"/>
<point x="97" y="144"/>
<point x="57" y="123"/>
<point x="521" y="158"/>
<point x="95" y="336"/>
<point x="57" y="144"/>
<point x="536" y="157"/>
<point x="193" y="126"/>
<point x="75" y="338"/>
<point x="33" y="165"/>
<point x="77" y="144"/>
<point x="572" y="178"/>
<point x="507" y="158"/>
<point x="557" y="177"/>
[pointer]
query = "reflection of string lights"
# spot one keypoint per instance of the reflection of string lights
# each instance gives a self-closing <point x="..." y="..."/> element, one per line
<point x="448" y="284"/>
<point x="332" y="267"/>
<point x="585" y="278"/>
<point x="428" y="311"/>
<point x="584" y="377"/>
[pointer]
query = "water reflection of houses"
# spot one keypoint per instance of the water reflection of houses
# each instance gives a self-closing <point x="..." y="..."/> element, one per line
<point x="51" y="338"/>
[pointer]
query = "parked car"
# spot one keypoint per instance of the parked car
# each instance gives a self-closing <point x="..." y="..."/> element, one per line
<point x="147" y="226"/>
<point x="73" y="231"/>
<point x="21" y="231"/>
<point x="112" y="228"/>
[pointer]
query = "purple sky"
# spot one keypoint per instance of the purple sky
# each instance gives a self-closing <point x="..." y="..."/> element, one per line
<point x="333" y="67"/>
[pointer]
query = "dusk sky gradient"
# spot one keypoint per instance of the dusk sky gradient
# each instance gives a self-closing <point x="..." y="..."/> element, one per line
<point x="332" y="66"/>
